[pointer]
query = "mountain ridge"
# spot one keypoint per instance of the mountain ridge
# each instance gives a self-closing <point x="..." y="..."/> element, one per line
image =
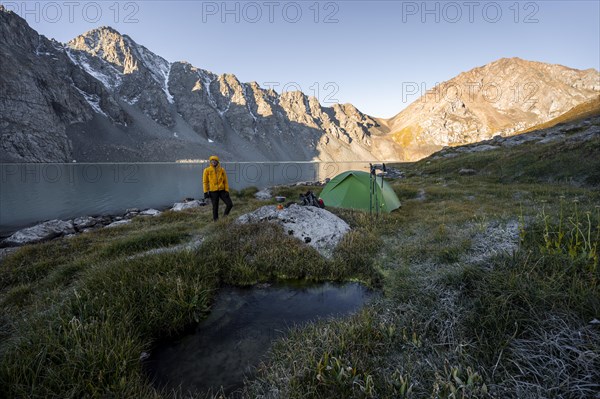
<point x="106" y="97"/>
<point x="127" y="83"/>
<point x="487" y="100"/>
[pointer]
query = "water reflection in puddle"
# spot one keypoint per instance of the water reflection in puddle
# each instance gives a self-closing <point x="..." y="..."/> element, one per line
<point x="243" y="322"/>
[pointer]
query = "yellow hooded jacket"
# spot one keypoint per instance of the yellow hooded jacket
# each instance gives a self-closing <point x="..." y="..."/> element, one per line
<point x="215" y="178"/>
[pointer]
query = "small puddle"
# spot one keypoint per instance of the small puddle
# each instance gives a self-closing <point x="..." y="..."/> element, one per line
<point x="233" y="339"/>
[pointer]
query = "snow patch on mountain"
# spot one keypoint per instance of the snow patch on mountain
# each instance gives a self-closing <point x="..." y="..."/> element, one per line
<point x="170" y="98"/>
<point x="246" y="87"/>
<point x="110" y="80"/>
<point x="207" y="81"/>
<point x="93" y="100"/>
<point x="158" y="67"/>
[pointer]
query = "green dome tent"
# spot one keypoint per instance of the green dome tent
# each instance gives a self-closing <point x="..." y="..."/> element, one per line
<point x="351" y="190"/>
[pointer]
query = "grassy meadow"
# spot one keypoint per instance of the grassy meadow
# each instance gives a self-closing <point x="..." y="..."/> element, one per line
<point x="490" y="289"/>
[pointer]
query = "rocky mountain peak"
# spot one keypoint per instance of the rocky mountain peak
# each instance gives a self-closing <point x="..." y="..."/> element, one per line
<point x="126" y="69"/>
<point x="500" y="98"/>
<point x="110" y="45"/>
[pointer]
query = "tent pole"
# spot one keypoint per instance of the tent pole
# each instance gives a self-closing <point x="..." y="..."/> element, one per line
<point x="376" y="197"/>
<point x="382" y="179"/>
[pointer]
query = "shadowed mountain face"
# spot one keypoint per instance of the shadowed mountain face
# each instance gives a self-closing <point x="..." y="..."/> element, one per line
<point x="103" y="97"/>
<point x="501" y="98"/>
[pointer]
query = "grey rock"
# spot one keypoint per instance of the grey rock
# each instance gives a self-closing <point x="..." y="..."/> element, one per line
<point x="467" y="172"/>
<point x="150" y="212"/>
<point x="317" y="227"/>
<point x="448" y="155"/>
<point x="520" y="139"/>
<point x="307" y="183"/>
<point x="481" y="148"/>
<point x="180" y="206"/>
<point x="264" y="194"/>
<point x="105" y="220"/>
<point x="118" y="223"/>
<point x="587" y="134"/>
<point x="551" y="139"/>
<point x="394" y="173"/>
<point x="85" y="222"/>
<point x="41" y="232"/>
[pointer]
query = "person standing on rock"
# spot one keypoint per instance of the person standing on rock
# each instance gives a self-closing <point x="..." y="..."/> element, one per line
<point x="216" y="186"/>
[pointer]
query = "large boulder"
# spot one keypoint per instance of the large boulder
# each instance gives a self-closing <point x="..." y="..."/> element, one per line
<point x="41" y="232"/>
<point x="317" y="227"/>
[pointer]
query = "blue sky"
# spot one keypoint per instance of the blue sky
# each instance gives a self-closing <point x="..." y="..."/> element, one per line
<point x="361" y="52"/>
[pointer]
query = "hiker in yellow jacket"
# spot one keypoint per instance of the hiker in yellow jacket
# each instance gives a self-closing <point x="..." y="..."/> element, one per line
<point x="216" y="186"/>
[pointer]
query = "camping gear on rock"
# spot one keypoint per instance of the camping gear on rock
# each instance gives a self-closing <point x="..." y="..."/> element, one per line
<point x="309" y="199"/>
<point x="360" y="190"/>
<point x="279" y="198"/>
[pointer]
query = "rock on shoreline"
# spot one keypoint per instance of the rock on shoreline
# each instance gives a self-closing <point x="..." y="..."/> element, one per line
<point x="52" y="229"/>
<point x="41" y="232"/>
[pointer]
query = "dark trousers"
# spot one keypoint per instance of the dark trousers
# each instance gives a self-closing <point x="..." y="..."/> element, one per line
<point x="214" y="198"/>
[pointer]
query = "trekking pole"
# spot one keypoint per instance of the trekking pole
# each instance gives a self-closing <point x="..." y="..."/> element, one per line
<point x="382" y="173"/>
<point x="370" y="190"/>
<point x="375" y="193"/>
